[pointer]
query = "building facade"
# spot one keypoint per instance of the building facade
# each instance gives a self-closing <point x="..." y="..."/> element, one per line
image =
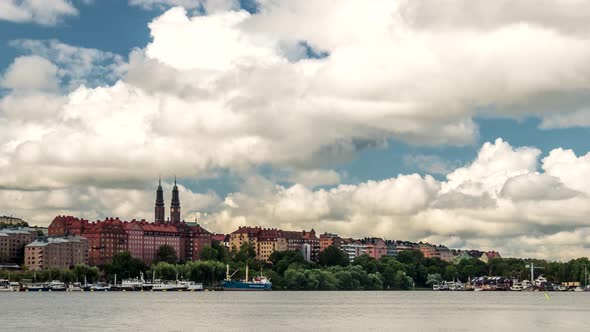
<point x="13" y="242"/>
<point x="375" y="247"/>
<point x="265" y="241"/>
<point x="427" y="249"/>
<point x="142" y="239"/>
<point x="56" y="252"/>
<point x="329" y="239"/>
<point x="391" y="248"/>
<point x="445" y="254"/>
<point x="353" y="248"/>
<point x="12" y="221"/>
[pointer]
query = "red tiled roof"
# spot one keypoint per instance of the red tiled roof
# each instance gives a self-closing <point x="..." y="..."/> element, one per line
<point x="247" y="230"/>
<point x="218" y="237"/>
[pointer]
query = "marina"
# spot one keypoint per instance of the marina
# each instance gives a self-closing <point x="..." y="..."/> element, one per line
<point x="127" y="285"/>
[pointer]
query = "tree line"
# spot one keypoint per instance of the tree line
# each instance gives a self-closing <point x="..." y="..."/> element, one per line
<point x="288" y="270"/>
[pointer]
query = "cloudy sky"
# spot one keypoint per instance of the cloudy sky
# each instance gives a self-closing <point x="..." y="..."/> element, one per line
<point x="461" y="122"/>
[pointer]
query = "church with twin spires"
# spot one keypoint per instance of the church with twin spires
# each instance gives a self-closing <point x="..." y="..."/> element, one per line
<point x="159" y="215"/>
<point x="141" y="238"/>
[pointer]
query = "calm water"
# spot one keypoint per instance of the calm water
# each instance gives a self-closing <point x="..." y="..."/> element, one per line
<point x="402" y="311"/>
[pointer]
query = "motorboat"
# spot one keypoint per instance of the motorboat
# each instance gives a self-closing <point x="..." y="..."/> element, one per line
<point x="7" y="286"/>
<point x="37" y="288"/>
<point x="75" y="287"/>
<point x="516" y="287"/>
<point x="56" y="286"/>
<point x="189" y="286"/>
<point x="100" y="287"/>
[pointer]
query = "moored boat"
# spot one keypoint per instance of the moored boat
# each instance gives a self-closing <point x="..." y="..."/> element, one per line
<point x="56" y="286"/>
<point x="189" y="286"/>
<point x="7" y="286"/>
<point x="100" y="287"/>
<point x="75" y="287"/>
<point x="258" y="283"/>
<point x="37" y="288"/>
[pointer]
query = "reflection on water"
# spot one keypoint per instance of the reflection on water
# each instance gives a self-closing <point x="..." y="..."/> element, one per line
<point x="407" y="311"/>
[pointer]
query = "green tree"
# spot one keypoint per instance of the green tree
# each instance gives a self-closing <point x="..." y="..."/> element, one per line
<point x="124" y="266"/>
<point x="222" y="252"/>
<point x="402" y="281"/>
<point x="433" y="279"/>
<point x="245" y="254"/>
<point x="165" y="271"/>
<point x="332" y="256"/>
<point x="166" y="253"/>
<point x="282" y="260"/>
<point x="374" y="281"/>
<point x="369" y="264"/>
<point x="82" y="271"/>
<point x="294" y="279"/>
<point x="208" y="253"/>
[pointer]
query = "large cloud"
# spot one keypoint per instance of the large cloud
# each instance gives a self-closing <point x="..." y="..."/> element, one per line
<point x="239" y="90"/>
<point x="499" y="201"/>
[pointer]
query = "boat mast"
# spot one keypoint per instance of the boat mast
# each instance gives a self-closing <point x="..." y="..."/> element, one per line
<point x="227" y="277"/>
<point x="246" y="272"/>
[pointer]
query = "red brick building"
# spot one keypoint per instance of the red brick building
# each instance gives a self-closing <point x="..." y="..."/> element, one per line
<point x="375" y="247"/>
<point x="329" y="239"/>
<point x="428" y="250"/>
<point x="141" y="238"/>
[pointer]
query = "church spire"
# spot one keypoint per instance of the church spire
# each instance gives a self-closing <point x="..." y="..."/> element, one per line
<point x="159" y="209"/>
<point x="175" y="204"/>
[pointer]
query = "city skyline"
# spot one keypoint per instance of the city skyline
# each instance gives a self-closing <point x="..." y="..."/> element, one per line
<point x="405" y="120"/>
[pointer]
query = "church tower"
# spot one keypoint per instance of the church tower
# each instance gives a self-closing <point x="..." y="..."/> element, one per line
<point x="159" y="210"/>
<point x="175" y="204"/>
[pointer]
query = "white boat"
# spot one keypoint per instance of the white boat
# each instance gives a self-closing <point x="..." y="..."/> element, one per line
<point x="540" y="282"/>
<point x="56" y="286"/>
<point x="190" y="286"/>
<point x="75" y="287"/>
<point x="100" y="287"/>
<point x="164" y="287"/>
<point x="132" y="284"/>
<point x="526" y="285"/>
<point x="7" y="286"/>
<point x="516" y="286"/>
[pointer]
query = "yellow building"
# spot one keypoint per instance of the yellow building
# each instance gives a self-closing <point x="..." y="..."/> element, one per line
<point x="269" y="241"/>
<point x="244" y="235"/>
<point x="264" y="241"/>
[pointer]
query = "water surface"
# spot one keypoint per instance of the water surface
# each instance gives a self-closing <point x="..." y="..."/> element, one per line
<point x="295" y="311"/>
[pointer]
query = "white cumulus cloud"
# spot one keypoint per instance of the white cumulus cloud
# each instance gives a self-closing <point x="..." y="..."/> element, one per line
<point x="45" y="12"/>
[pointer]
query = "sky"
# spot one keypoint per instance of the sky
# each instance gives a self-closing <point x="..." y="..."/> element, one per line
<point x="458" y="122"/>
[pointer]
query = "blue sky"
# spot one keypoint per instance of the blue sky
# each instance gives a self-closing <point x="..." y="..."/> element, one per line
<point x="266" y="115"/>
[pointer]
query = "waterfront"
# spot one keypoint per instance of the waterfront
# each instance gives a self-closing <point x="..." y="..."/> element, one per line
<point x="411" y="311"/>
